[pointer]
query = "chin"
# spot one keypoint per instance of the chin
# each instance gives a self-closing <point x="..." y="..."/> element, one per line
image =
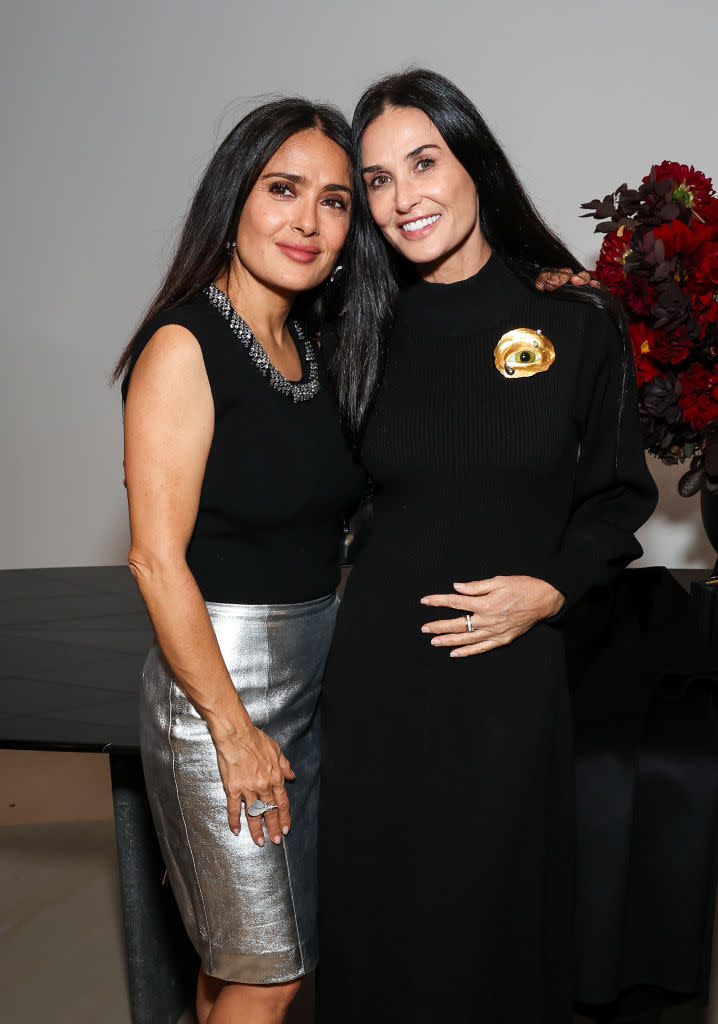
<point x="415" y="252"/>
<point x="298" y="282"/>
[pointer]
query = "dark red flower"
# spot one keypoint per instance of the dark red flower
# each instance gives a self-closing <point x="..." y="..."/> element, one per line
<point x="610" y="267"/>
<point x="677" y="238"/>
<point x="699" y="394"/>
<point x="701" y="264"/>
<point x="708" y="212"/>
<point x="638" y="294"/>
<point x="642" y="340"/>
<point x="705" y="311"/>
<point x="690" y="186"/>
<point x="672" y="346"/>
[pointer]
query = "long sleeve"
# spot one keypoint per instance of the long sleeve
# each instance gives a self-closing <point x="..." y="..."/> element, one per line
<point x="614" y="493"/>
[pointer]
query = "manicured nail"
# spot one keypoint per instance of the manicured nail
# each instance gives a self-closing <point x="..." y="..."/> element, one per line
<point x="236" y="831"/>
<point x="424" y="601"/>
<point x="277" y="840"/>
<point x="285" y="830"/>
<point x="260" y="841"/>
<point x="454" y="654"/>
<point x="425" y="629"/>
<point x="435" y="642"/>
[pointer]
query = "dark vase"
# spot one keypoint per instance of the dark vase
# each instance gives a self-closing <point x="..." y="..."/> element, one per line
<point x="709" y="514"/>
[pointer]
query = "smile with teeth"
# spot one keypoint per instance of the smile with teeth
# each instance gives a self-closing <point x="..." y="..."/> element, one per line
<point x="418" y="225"/>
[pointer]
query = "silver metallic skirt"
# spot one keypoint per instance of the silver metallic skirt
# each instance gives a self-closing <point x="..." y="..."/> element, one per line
<point x="251" y="912"/>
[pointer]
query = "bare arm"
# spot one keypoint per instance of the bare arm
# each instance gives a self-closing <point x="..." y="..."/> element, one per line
<point x="169" y="423"/>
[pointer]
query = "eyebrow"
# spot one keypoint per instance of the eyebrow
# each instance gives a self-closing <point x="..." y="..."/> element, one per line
<point x="299" y="179"/>
<point x="409" y="156"/>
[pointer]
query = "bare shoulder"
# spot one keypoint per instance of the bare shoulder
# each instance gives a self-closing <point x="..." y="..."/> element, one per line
<point x="171" y="362"/>
<point x="172" y="349"/>
<point x="169" y="385"/>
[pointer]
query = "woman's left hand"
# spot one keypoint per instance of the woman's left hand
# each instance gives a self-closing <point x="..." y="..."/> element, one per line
<point x="501" y="609"/>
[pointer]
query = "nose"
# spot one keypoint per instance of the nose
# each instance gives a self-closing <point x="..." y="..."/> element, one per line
<point x="305" y="217"/>
<point x="405" y="196"/>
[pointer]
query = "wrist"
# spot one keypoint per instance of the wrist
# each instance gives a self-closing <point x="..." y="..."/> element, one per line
<point x="229" y="725"/>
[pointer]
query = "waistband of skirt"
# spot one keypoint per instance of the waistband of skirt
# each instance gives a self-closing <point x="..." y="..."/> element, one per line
<point x="244" y="612"/>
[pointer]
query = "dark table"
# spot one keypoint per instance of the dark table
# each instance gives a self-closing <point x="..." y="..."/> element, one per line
<point x="72" y="643"/>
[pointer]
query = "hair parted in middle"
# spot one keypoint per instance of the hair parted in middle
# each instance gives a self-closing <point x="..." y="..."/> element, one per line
<point x="207" y="234"/>
<point x="509" y="222"/>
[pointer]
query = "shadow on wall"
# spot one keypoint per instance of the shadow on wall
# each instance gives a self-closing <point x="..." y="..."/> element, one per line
<point x="675" y="526"/>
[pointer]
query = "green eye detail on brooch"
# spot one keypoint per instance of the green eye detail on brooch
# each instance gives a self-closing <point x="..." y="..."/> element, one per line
<point x="522" y="357"/>
<point x="523" y="352"/>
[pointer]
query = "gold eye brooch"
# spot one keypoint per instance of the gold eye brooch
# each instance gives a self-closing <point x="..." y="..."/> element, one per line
<point x="523" y="352"/>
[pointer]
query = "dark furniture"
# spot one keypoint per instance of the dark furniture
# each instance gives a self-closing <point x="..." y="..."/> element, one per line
<point x="72" y="644"/>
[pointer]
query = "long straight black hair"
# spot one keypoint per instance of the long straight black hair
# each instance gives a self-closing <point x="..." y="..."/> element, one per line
<point x="508" y="219"/>
<point x="201" y="252"/>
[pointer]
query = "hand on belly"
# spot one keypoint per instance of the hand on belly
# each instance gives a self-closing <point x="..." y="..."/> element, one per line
<point x="491" y="613"/>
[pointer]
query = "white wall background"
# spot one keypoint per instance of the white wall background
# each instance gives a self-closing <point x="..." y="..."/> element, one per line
<point x="111" y="109"/>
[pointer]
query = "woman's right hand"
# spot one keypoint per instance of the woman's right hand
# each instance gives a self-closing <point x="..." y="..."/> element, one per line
<point x="253" y="767"/>
<point x="550" y="280"/>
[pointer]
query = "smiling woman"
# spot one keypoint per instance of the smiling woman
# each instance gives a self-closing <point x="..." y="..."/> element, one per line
<point x="239" y="479"/>
<point x="423" y="194"/>
<point x="501" y="433"/>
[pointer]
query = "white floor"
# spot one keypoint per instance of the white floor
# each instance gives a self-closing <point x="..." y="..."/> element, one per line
<point x="62" y="957"/>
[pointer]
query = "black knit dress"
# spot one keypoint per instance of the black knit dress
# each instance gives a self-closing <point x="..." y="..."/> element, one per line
<point x="447" y="824"/>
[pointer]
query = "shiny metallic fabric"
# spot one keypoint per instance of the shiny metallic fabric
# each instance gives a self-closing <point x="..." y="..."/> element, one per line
<point x="250" y="912"/>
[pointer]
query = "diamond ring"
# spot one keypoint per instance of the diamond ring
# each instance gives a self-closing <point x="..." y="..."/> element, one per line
<point x="258" y="807"/>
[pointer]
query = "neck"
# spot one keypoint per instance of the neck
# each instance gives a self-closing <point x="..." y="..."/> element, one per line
<point x="262" y="306"/>
<point x="460" y="263"/>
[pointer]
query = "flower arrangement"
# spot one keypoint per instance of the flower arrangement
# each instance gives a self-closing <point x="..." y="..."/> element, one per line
<point x="660" y="258"/>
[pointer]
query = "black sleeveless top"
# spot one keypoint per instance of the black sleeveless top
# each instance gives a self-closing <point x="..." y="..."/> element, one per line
<point x="280" y="478"/>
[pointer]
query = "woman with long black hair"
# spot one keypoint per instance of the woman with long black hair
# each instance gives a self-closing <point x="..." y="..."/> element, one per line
<point x="238" y="479"/>
<point x="500" y="428"/>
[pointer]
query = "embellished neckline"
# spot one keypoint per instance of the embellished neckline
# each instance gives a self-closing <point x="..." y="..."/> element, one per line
<point x="298" y="390"/>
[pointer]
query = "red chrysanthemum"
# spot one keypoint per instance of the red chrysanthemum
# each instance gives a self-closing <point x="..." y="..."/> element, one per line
<point x="705" y="311"/>
<point x="610" y="267"/>
<point x="699" y="395"/>
<point x="701" y="264"/>
<point x="708" y="212"/>
<point x="672" y="347"/>
<point x="689" y="185"/>
<point x="642" y="340"/>
<point x="678" y="238"/>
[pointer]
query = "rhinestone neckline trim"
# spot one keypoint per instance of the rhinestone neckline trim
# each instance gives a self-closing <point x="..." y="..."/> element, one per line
<point x="298" y="390"/>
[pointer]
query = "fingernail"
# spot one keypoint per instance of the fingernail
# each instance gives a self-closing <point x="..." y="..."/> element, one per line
<point x="425" y="629"/>
<point x="454" y="654"/>
<point x="435" y="642"/>
<point x="539" y="286"/>
<point x="260" y="841"/>
<point x="277" y="840"/>
<point x="424" y="601"/>
<point x="236" y="831"/>
<point x="285" y="830"/>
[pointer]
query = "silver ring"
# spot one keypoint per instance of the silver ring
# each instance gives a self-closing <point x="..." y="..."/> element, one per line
<point x="469" y="623"/>
<point x="258" y="807"/>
